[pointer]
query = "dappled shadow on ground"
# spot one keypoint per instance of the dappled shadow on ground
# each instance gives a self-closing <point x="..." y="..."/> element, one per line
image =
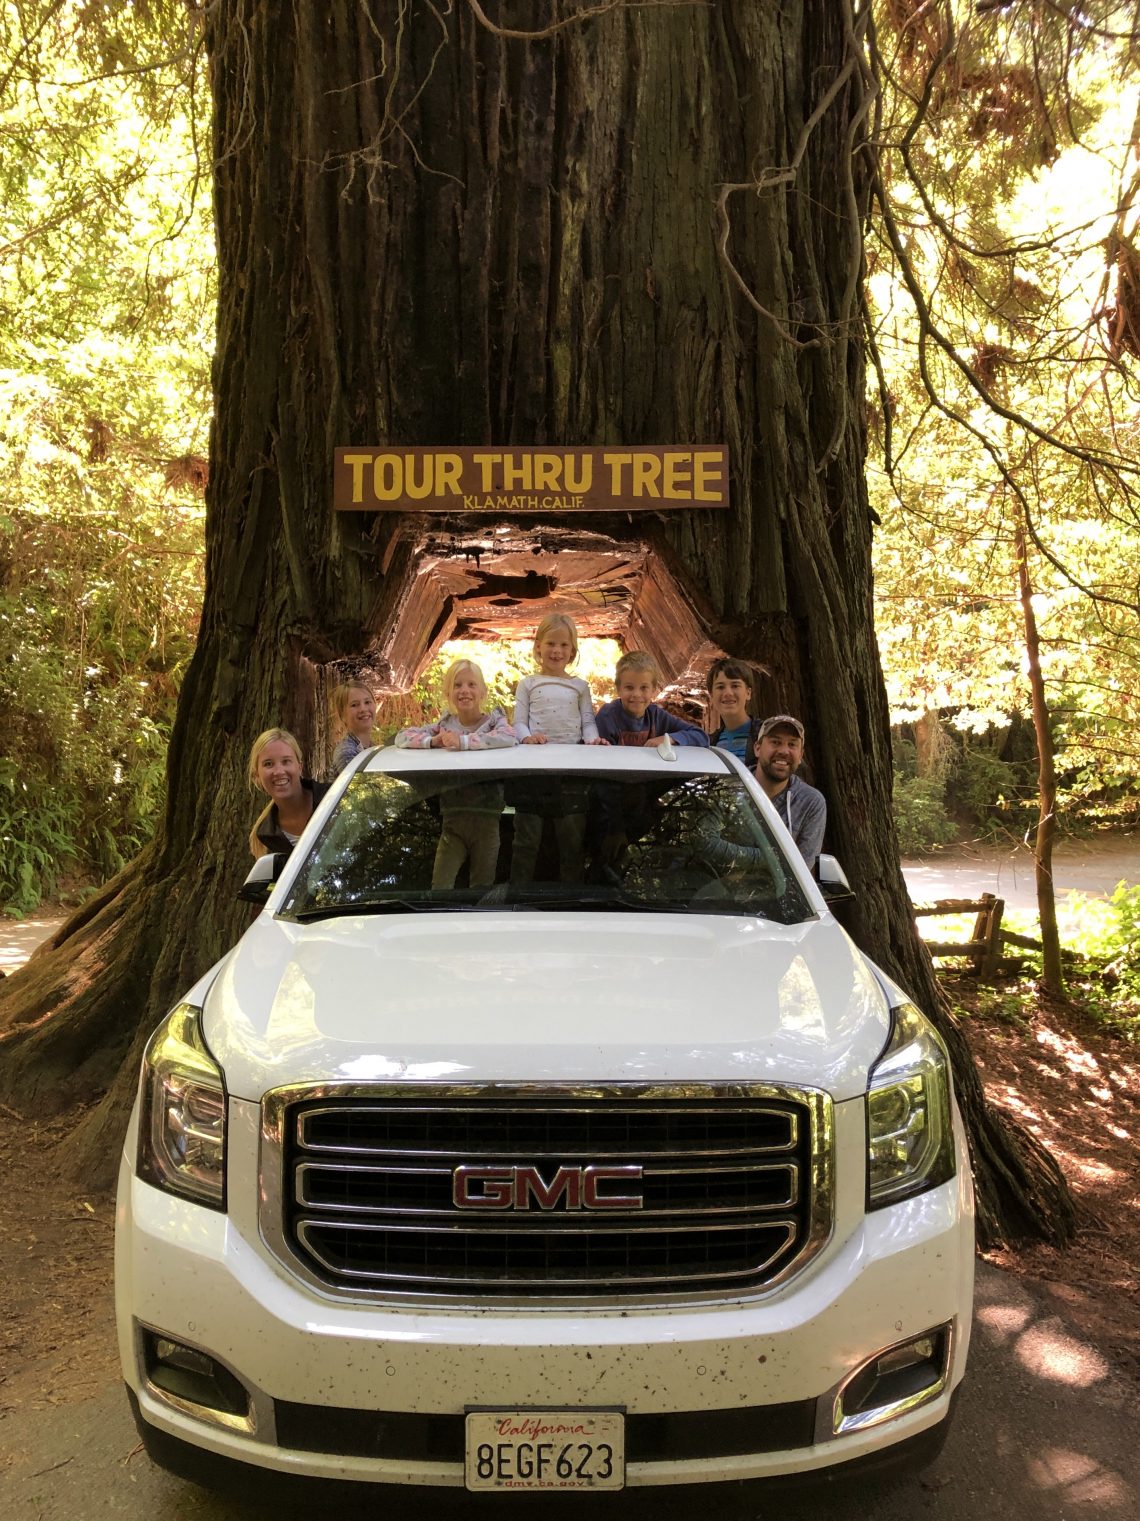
<point x="1078" y="1089"/>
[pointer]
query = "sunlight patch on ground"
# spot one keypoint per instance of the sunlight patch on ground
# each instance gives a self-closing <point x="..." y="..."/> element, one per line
<point x="1081" y="1477"/>
<point x="1003" y="1321"/>
<point x="1051" y="1354"/>
<point x="1075" y="1057"/>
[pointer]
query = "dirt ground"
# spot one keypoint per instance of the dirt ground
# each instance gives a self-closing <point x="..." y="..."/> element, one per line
<point x="1078" y="1089"/>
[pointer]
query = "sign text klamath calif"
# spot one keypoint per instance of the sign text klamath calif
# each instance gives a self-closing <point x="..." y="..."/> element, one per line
<point x="530" y="480"/>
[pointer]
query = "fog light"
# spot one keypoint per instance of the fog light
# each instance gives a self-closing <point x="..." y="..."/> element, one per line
<point x="193" y="1381"/>
<point x="893" y="1382"/>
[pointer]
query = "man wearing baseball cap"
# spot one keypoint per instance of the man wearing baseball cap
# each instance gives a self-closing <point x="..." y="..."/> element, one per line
<point x="779" y="753"/>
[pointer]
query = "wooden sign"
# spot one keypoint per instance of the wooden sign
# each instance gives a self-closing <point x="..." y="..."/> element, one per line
<point x="530" y="480"/>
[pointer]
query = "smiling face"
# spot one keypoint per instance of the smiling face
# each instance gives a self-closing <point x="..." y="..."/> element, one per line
<point x="554" y="652"/>
<point x="636" y="690"/>
<point x="278" y="772"/>
<point x="360" y="712"/>
<point x="778" y="757"/>
<point x="467" y="693"/>
<point x="730" y="697"/>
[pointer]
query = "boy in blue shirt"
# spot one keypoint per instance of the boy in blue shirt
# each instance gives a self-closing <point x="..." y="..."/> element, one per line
<point x="634" y="718"/>
<point x="729" y="684"/>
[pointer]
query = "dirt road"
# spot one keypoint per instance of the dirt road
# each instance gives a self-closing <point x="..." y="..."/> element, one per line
<point x="1093" y="867"/>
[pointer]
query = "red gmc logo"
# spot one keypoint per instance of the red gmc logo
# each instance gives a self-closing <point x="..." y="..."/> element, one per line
<point x="504" y="1187"/>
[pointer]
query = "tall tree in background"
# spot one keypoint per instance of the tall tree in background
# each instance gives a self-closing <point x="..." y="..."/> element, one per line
<point x="1003" y="306"/>
<point x="631" y="224"/>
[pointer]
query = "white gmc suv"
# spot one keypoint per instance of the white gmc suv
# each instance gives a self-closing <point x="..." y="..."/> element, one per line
<point x="622" y="1166"/>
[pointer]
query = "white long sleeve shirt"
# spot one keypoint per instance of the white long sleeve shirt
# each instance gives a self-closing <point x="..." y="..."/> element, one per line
<point x="558" y="706"/>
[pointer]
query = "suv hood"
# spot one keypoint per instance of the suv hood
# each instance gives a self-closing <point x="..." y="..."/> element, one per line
<point x="545" y="997"/>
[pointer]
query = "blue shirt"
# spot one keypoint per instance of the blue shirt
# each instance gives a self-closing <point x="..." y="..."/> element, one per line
<point x="735" y="741"/>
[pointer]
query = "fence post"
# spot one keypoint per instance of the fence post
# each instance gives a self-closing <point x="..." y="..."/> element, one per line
<point x="991" y="952"/>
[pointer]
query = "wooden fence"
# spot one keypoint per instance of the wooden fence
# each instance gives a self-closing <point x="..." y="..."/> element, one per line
<point x="985" y="948"/>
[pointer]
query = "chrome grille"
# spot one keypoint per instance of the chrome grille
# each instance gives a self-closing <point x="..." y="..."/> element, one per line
<point x="733" y="1188"/>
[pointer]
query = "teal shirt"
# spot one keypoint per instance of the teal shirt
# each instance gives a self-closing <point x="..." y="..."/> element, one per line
<point x="735" y="740"/>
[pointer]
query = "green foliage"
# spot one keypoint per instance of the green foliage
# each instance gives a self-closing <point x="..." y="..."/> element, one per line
<point x="37" y="839"/>
<point x="1004" y="305"/>
<point x="1100" y="940"/>
<point x="106" y="317"/>
<point x="920" y="814"/>
<point x="1106" y="937"/>
<point x="994" y="796"/>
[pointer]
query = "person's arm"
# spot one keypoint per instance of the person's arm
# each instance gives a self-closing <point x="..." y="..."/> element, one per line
<point x="606" y="724"/>
<point x="682" y="731"/>
<point x="419" y="737"/>
<point x="715" y="850"/>
<point x="590" y="735"/>
<point x="495" y="734"/>
<point x="521" y="720"/>
<point x="809" y="821"/>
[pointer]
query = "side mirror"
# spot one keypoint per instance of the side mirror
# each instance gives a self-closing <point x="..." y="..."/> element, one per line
<point x="263" y="874"/>
<point x="833" y="883"/>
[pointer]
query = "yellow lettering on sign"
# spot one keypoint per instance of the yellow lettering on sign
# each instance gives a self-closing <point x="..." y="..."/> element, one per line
<point x="448" y="474"/>
<point x="547" y="472"/>
<point x="418" y="489"/>
<point x="646" y="473"/>
<point x="616" y="462"/>
<point x="518" y="475"/>
<point x="579" y="483"/>
<point x="678" y="475"/>
<point x="486" y="463"/>
<point x="357" y="463"/>
<point x="387" y="477"/>
<point x="708" y="478"/>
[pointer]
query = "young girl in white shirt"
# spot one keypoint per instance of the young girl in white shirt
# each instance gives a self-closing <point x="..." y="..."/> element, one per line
<point x="553" y="707"/>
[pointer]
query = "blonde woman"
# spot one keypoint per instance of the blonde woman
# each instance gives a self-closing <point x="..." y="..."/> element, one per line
<point x="275" y="768"/>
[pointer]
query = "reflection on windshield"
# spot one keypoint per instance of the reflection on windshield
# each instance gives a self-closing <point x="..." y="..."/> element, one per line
<point x="432" y="841"/>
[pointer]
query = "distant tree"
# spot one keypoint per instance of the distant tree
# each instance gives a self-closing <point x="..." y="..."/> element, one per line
<point x="1003" y="306"/>
<point x="630" y="223"/>
<point x="106" y="299"/>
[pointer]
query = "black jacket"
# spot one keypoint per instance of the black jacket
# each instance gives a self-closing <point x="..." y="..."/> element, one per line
<point x="269" y="830"/>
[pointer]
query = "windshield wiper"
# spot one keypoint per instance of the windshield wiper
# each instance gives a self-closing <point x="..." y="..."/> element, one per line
<point x="373" y="906"/>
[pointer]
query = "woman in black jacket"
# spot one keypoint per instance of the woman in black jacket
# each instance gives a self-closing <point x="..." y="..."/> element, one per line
<point x="275" y="768"/>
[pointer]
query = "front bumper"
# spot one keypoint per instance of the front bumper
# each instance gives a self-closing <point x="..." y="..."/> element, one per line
<point x="730" y="1390"/>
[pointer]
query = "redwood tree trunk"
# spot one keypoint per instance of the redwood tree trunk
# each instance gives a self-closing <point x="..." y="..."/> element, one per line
<point x="432" y="233"/>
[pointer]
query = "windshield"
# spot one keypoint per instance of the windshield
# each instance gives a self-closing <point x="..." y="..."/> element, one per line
<point x="451" y="840"/>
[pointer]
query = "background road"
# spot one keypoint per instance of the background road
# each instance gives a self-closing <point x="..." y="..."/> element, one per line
<point x="1093" y="867"/>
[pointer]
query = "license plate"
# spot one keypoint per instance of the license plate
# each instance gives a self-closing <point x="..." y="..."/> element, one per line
<point x="545" y="1449"/>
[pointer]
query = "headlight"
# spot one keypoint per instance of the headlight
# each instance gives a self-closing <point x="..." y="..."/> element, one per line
<point x="910" y="1142"/>
<point x="182" y="1125"/>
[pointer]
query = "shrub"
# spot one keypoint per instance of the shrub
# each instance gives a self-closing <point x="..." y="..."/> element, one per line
<point x="920" y="814"/>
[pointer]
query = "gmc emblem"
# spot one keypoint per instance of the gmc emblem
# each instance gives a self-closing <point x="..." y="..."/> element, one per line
<point x="505" y="1187"/>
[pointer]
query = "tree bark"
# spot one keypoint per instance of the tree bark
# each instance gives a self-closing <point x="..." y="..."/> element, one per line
<point x="432" y="233"/>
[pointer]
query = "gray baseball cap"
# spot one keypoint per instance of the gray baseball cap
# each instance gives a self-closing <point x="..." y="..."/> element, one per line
<point x="781" y="721"/>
